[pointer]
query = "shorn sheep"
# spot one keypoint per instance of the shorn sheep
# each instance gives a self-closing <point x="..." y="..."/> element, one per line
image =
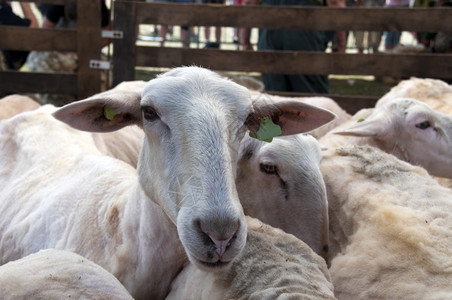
<point x="434" y="92"/>
<point x="13" y="104"/>
<point x="391" y="227"/>
<point x="61" y="192"/>
<point x="280" y="183"/>
<point x="404" y="127"/>
<point x="58" y="274"/>
<point x="273" y="265"/>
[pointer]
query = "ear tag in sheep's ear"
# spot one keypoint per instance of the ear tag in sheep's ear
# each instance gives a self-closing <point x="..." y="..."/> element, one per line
<point x="109" y="113"/>
<point x="360" y="120"/>
<point x="267" y="130"/>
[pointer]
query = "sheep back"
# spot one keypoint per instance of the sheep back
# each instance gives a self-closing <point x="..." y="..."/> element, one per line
<point x="390" y="224"/>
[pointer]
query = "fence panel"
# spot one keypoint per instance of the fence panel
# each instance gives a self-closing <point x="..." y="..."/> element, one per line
<point x="129" y="14"/>
<point x="84" y="39"/>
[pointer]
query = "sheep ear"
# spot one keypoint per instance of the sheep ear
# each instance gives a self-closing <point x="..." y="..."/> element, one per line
<point x="292" y="116"/>
<point x="375" y="125"/>
<point x="104" y="112"/>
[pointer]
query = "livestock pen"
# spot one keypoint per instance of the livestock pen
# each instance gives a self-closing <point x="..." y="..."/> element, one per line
<point x="128" y="54"/>
<point x="129" y="14"/>
<point x="84" y="39"/>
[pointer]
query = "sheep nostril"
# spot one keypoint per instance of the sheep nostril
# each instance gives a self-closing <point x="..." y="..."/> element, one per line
<point x="220" y="237"/>
<point x="221" y="245"/>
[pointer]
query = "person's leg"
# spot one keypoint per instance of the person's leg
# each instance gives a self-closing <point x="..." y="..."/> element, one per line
<point x="207" y="33"/>
<point x="185" y="36"/>
<point x="271" y="40"/>
<point x="275" y="82"/>
<point x="218" y="34"/>
<point x="359" y="40"/>
<point x="389" y="40"/>
<point x="306" y="40"/>
<point x="162" y="34"/>
<point x="308" y="83"/>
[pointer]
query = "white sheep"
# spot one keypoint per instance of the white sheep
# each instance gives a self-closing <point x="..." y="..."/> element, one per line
<point x="434" y="92"/>
<point x="273" y="265"/>
<point x="289" y="195"/>
<point x="58" y="274"/>
<point x="404" y="127"/>
<point x="61" y="192"/>
<point x="391" y="227"/>
<point x="280" y="184"/>
<point x="14" y="104"/>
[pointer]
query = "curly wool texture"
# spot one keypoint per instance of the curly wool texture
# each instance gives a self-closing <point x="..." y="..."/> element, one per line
<point x="51" y="62"/>
<point x="390" y="227"/>
<point x="434" y="92"/>
<point x="273" y="265"/>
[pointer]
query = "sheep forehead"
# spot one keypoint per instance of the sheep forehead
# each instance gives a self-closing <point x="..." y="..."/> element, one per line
<point x="195" y="95"/>
<point x="399" y="108"/>
<point x="412" y="109"/>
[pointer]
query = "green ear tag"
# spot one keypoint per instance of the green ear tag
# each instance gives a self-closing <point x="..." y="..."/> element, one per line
<point x="267" y="130"/>
<point x="109" y="113"/>
<point x="360" y="120"/>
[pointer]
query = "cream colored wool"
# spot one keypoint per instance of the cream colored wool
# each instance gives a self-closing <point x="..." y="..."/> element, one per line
<point x="273" y="265"/>
<point x="434" y="92"/>
<point x="390" y="227"/>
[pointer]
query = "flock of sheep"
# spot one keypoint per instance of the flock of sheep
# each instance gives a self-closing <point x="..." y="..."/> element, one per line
<point x="157" y="191"/>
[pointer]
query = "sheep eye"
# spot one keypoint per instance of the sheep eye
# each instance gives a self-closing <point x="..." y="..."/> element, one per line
<point x="149" y="113"/>
<point x="249" y="154"/>
<point x="423" y="125"/>
<point x="269" y="169"/>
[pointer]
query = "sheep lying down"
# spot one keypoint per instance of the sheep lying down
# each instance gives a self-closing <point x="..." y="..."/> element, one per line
<point x="58" y="274"/>
<point x="273" y="265"/>
<point x="390" y="227"/>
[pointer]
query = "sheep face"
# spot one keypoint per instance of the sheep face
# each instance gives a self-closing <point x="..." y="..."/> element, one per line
<point x="284" y="177"/>
<point x="193" y="121"/>
<point x="412" y="131"/>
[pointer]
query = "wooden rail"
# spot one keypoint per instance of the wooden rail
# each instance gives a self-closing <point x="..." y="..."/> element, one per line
<point x="84" y="39"/>
<point x="127" y="55"/>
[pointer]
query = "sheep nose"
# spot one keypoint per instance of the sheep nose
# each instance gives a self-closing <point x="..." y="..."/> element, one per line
<point x="220" y="245"/>
<point x="220" y="235"/>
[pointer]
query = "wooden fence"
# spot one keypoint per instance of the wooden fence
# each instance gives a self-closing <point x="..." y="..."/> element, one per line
<point x="127" y="55"/>
<point x="85" y="39"/>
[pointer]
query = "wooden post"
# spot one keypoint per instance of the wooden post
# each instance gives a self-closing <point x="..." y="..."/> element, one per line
<point x="88" y="46"/>
<point x="124" y="49"/>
